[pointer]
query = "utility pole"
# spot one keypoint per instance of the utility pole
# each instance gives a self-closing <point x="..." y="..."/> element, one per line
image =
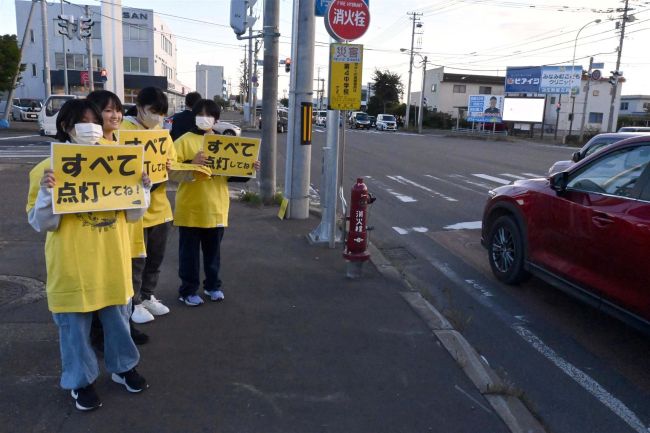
<point x="584" y="104"/>
<point x="301" y="91"/>
<point x="415" y="19"/>
<point x="557" y="116"/>
<point x="89" y="50"/>
<point x="271" y="27"/>
<point x="23" y="43"/>
<point x="424" y="82"/>
<point x="256" y="82"/>
<point x="251" y="109"/>
<point x="612" y="107"/>
<point x="66" y="88"/>
<point x="46" y="50"/>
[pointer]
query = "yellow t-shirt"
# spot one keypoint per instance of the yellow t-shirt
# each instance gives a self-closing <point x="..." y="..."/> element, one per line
<point x="204" y="202"/>
<point x="88" y="257"/>
<point x="160" y="210"/>
<point x="136" y="230"/>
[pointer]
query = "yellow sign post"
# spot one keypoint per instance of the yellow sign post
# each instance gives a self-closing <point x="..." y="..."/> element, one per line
<point x="231" y="156"/>
<point x="92" y="178"/>
<point x="156" y="143"/>
<point x="346" y="65"/>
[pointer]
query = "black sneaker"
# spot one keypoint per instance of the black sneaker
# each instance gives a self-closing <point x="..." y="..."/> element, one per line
<point x="138" y="336"/>
<point x="86" y="398"/>
<point x="131" y="380"/>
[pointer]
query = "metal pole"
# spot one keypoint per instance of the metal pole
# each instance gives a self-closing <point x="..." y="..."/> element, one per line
<point x="573" y="62"/>
<point x="543" y="119"/>
<point x="10" y="95"/>
<point x="612" y="107"/>
<point x="584" y="104"/>
<point x="46" y="50"/>
<point x="270" y="99"/>
<point x="66" y="88"/>
<point x="251" y="109"/>
<point x="408" y="91"/>
<point x="557" y="117"/>
<point x="89" y="50"/>
<point x="302" y="90"/>
<point x="424" y="81"/>
<point x="256" y="83"/>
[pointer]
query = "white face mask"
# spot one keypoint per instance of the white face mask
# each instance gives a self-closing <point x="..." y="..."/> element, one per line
<point x="148" y="119"/>
<point x="87" y="133"/>
<point x="204" y="123"/>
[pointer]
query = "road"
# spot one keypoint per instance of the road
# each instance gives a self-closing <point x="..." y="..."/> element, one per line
<point x="577" y="369"/>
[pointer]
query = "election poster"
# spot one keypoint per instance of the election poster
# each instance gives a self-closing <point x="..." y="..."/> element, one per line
<point x="91" y="178"/>
<point x="156" y="143"/>
<point x="231" y="156"/>
<point x="485" y="108"/>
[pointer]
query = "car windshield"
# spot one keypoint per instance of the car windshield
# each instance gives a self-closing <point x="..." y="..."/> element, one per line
<point x="362" y="116"/>
<point x="23" y="102"/>
<point x="600" y="143"/>
<point x="388" y="118"/>
<point x="55" y="104"/>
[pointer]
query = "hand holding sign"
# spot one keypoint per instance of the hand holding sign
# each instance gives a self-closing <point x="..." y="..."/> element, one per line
<point x="231" y="156"/>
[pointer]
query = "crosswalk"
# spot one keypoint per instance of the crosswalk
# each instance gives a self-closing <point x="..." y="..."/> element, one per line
<point x="30" y="152"/>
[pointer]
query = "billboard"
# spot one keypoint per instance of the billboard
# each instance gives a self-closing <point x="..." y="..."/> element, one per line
<point x="524" y="79"/>
<point x="484" y="108"/>
<point x="561" y="80"/>
<point x="529" y="110"/>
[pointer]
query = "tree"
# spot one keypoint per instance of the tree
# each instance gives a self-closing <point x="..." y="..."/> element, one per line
<point x="284" y="102"/>
<point x="9" y="60"/>
<point x="221" y="102"/>
<point x="387" y="88"/>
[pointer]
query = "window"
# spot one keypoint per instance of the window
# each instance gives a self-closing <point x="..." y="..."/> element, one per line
<point x="136" y="65"/>
<point x="76" y="62"/>
<point x="625" y="105"/>
<point x="167" y="71"/>
<point x="31" y="36"/>
<point x="646" y="105"/>
<point x="552" y="101"/>
<point x="134" y="32"/>
<point x="595" y="117"/>
<point x="459" y="88"/>
<point x="615" y="174"/>
<point x="166" y="45"/>
<point x="484" y="90"/>
<point x="33" y="69"/>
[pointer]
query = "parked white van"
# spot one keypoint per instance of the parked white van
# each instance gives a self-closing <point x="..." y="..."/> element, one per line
<point x="47" y="115"/>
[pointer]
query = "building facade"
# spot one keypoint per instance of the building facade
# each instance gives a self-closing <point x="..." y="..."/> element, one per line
<point x="637" y="106"/>
<point x="210" y="81"/>
<point x="149" y="51"/>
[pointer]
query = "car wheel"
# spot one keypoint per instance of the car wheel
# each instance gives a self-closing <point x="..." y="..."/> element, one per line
<point x="229" y="132"/>
<point x="506" y="251"/>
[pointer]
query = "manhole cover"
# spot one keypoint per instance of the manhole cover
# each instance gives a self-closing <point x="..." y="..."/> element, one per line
<point x="397" y="254"/>
<point x="17" y="289"/>
<point x="11" y="291"/>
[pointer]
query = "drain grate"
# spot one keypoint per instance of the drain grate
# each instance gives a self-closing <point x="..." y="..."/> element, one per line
<point x="16" y="290"/>
<point x="397" y="254"/>
<point x="11" y="291"/>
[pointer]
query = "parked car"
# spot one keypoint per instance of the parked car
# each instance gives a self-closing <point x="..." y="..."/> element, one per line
<point x="386" y="122"/>
<point x="221" y="127"/>
<point x="320" y="117"/>
<point x="283" y="120"/>
<point x="585" y="230"/>
<point x="634" y="129"/>
<point x="26" y="109"/>
<point x="47" y="115"/>
<point x="352" y="115"/>
<point x="596" y="143"/>
<point x="360" y="121"/>
<point x="373" y="121"/>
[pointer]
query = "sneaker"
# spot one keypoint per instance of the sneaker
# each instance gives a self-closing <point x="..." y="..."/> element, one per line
<point x="215" y="295"/>
<point x="86" y="398"/>
<point x="191" y="301"/>
<point x="154" y="306"/>
<point x="138" y="337"/>
<point x="131" y="380"/>
<point x="141" y="314"/>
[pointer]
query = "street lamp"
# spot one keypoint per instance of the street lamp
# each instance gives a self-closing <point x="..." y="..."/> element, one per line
<point x="573" y="61"/>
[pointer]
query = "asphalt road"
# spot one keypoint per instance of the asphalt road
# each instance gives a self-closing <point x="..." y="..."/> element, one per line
<point x="576" y="368"/>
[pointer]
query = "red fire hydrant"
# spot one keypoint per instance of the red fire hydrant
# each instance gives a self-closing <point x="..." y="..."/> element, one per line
<point x="356" y="245"/>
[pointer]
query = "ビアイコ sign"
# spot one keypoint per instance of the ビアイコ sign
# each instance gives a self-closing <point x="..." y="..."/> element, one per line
<point x="156" y="143"/>
<point x="231" y="156"/>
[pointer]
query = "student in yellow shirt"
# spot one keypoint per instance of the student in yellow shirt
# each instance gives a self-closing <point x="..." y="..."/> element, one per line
<point x="88" y="269"/>
<point x="150" y="107"/>
<point x="201" y="213"/>
<point x="112" y="112"/>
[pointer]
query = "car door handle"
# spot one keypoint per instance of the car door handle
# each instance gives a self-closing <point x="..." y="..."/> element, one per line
<point x="602" y="219"/>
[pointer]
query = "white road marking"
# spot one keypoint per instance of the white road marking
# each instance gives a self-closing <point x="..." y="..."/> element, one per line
<point x="400" y="230"/>
<point x="405" y="231"/>
<point x="401" y="197"/>
<point x="471" y="182"/>
<point x="478" y="403"/>
<point x="405" y="181"/>
<point x="319" y="130"/>
<point x="584" y="380"/>
<point x="480" y="288"/>
<point x="514" y="176"/>
<point x="482" y="192"/>
<point x="19" y="136"/>
<point x="420" y="229"/>
<point x="492" y="178"/>
<point x="533" y="175"/>
<point x="470" y="225"/>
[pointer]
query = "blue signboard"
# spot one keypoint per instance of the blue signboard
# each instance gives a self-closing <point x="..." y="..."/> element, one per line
<point x="322" y="5"/>
<point x="523" y="79"/>
<point x="561" y="79"/>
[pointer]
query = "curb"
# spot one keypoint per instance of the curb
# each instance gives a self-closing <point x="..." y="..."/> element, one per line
<point x="510" y="409"/>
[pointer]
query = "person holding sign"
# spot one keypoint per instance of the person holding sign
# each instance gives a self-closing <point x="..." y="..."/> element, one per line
<point x="201" y="212"/>
<point x="151" y="106"/>
<point x="88" y="270"/>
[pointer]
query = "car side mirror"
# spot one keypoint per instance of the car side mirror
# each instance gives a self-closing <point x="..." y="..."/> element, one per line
<point x="576" y="156"/>
<point x="559" y="181"/>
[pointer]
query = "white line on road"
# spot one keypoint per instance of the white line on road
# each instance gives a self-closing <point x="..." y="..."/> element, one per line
<point x="533" y="175"/>
<point x="480" y="288"/>
<point x="403" y="231"/>
<point x="470" y="225"/>
<point x="513" y="176"/>
<point x="492" y="178"/>
<point x="19" y="136"/>
<point x="403" y="180"/>
<point x="401" y="197"/>
<point x="420" y="229"/>
<point x="400" y="230"/>
<point x="455" y="184"/>
<point x="462" y="391"/>
<point x="584" y="380"/>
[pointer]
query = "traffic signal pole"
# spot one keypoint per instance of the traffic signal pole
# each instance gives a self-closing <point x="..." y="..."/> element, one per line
<point x="268" y="150"/>
<point x="46" y="50"/>
<point x="612" y="105"/>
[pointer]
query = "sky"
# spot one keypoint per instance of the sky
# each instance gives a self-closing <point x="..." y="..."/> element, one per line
<point x="465" y="36"/>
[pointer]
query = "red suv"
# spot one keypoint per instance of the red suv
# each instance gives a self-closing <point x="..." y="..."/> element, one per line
<point x="585" y="230"/>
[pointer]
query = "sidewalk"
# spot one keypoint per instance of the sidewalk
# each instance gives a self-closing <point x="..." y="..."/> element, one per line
<point x="295" y="347"/>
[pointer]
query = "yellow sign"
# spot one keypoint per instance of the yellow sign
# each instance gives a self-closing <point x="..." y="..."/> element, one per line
<point x="185" y="166"/>
<point x="283" y="208"/>
<point x="346" y="65"/>
<point x="93" y="178"/>
<point x="156" y="143"/>
<point x="231" y="156"/>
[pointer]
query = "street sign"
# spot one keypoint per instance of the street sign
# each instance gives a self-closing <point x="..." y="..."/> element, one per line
<point x="346" y="65"/>
<point x="347" y="20"/>
<point x="322" y="5"/>
<point x="597" y="65"/>
<point x="596" y="75"/>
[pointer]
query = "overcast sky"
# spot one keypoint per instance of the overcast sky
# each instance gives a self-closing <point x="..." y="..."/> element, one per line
<point x="466" y="36"/>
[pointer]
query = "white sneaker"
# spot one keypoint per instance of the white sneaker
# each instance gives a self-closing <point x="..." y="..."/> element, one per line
<point x="155" y="307"/>
<point x="141" y="315"/>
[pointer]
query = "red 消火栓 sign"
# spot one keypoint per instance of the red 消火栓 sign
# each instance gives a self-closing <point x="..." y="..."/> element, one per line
<point x="347" y="20"/>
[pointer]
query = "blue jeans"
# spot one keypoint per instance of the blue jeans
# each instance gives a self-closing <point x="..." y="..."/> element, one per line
<point x="78" y="360"/>
<point x="193" y="240"/>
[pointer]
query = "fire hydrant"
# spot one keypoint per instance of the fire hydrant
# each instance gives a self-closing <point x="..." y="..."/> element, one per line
<point x="356" y="244"/>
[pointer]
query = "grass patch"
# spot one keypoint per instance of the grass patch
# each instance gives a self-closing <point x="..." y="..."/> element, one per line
<point x="250" y="197"/>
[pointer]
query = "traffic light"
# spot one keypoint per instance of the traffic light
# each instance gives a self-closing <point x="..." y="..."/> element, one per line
<point x="287" y="65"/>
<point x="64" y="25"/>
<point x="239" y="19"/>
<point x="85" y="26"/>
<point x="613" y="79"/>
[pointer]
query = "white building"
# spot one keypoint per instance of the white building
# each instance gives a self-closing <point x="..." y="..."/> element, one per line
<point x="210" y="81"/>
<point x="149" y="53"/>
<point x="635" y="106"/>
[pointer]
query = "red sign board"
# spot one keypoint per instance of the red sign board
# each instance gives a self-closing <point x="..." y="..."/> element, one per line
<point x="84" y="77"/>
<point x="347" y="20"/>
